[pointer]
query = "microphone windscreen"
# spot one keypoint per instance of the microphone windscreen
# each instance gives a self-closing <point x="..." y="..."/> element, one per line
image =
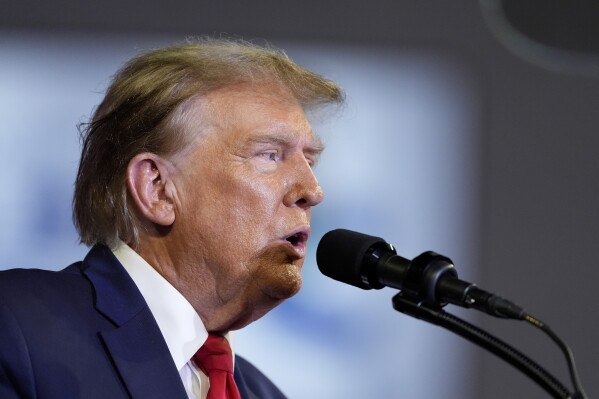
<point x="340" y="255"/>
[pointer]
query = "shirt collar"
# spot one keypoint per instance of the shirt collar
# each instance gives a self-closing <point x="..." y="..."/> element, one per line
<point x="180" y="324"/>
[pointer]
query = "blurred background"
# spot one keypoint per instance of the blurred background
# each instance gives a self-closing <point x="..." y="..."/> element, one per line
<point x="471" y="129"/>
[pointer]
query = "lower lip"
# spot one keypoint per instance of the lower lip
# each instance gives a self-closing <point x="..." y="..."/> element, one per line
<point x="299" y="250"/>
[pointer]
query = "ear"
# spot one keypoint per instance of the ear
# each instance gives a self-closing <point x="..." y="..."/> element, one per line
<point x="147" y="180"/>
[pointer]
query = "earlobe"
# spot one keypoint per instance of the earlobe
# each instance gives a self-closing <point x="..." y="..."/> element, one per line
<point x="147" y="177"/>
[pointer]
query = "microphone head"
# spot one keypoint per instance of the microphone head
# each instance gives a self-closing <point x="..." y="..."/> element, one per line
<point x="341" y="256"/>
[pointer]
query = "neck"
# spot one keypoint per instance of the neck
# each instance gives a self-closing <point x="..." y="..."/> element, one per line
<point x="219" y="313"/>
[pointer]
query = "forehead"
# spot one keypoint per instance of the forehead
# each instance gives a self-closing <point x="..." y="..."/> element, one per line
<point x="247" y="111"/>
<point x="268" y="98"/>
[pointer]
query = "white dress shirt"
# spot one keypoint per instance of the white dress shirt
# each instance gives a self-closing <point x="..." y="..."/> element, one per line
<point x="178" y="321"/>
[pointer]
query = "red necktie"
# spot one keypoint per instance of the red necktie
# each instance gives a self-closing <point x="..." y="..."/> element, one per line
<point x="216" y="361"/>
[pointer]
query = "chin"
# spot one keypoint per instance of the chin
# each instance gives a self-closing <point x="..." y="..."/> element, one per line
<point x="271" y="291"/>
<point x="284" y="283"/>
<point x="278" y="273"/>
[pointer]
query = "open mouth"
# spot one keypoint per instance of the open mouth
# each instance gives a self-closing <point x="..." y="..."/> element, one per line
<point x="298" y="239"/>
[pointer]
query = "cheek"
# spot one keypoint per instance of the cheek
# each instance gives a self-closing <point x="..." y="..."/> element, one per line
<point x="234" y="216"/>
<point x="253" y="199"/>
<point x="237" y="205"/>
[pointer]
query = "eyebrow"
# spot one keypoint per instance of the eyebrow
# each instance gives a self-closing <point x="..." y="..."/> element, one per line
<point x="316" y="147"/>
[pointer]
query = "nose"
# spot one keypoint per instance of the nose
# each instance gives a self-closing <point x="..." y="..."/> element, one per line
<point x="303" y="191"/>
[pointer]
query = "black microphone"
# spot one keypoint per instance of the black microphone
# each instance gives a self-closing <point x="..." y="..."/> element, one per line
<point x="370" y="262"/>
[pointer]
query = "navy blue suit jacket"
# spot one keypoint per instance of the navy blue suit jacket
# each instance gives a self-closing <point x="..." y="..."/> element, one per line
<point x="87" y="332"/>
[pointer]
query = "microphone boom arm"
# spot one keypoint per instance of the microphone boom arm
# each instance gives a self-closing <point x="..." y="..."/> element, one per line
<point x="485" y="340"/>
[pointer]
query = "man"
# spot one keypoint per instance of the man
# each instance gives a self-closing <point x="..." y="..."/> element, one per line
<point x="194" y="190"/>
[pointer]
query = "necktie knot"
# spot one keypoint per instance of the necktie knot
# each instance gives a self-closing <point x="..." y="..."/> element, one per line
<point x="215" y="354"/>
<point x="216" y="360"/>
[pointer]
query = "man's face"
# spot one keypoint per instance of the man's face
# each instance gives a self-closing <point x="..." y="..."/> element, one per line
<point x="244" y="191"/>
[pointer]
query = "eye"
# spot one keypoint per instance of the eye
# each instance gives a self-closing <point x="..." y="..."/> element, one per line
<point x="270" y="155"/>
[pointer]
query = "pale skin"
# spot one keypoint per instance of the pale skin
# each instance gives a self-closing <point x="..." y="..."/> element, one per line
<point x="227" y="218"/>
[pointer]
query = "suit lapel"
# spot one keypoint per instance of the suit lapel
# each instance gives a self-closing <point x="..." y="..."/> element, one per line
<point x="244" y="390"/>
<point x="252" y="383"/>
<point x="136" y="345"/>
<point x="143" y="360"/>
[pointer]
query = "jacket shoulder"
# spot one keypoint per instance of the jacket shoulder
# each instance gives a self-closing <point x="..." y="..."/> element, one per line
<point x="38" y="282"/>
